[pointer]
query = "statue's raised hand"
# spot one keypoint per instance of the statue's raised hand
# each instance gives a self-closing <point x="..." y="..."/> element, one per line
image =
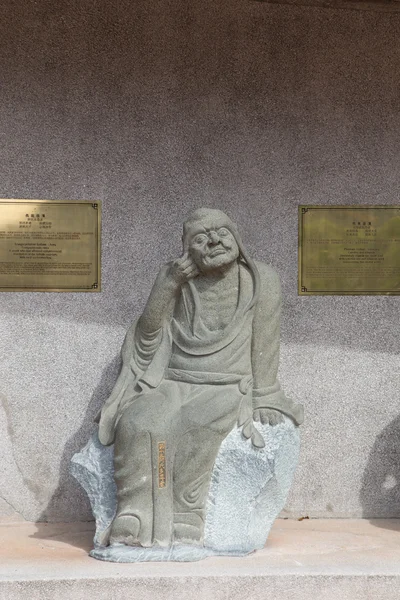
<point x="182" y="269"/>
<point x="167" y="285"/>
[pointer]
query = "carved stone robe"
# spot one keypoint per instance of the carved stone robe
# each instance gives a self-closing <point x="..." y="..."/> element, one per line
<point x="181" y="390"/>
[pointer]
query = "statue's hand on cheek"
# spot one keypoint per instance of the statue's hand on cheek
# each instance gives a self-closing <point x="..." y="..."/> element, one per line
<point x="267" y="416"/>
<point x="182" y="269"/>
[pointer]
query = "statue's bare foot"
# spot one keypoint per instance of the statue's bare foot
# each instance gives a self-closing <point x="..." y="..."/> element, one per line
<point x="125" y="530"/>
<point x="185" y="534"/>
<point x="188" y="528"/>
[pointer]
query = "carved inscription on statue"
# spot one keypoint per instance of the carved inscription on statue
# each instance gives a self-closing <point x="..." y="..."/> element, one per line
<point x="48" y="245"/>
<point x="349" y="250"/>
<point x="162" y="480"/>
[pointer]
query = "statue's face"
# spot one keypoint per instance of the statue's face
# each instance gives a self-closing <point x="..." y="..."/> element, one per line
<point x="212" y="246"/>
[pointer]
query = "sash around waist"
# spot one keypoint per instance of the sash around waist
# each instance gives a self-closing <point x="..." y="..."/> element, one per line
<point x="202" y="377"/>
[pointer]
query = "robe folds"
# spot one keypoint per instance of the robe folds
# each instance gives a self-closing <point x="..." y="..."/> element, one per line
<point x="182" y="389"/>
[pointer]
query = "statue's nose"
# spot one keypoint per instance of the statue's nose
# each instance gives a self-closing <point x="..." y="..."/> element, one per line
<point x="213" y="237"/>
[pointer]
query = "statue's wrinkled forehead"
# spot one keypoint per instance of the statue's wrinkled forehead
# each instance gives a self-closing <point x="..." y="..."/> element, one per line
<point x="207" y="219"/>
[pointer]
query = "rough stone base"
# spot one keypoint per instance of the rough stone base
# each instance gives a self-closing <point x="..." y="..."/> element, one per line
<point x="248" y="490"/>
<point x="177" y="553"/>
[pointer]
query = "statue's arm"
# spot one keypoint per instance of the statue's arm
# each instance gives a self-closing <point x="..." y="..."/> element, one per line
<point x="166" y="288"/>
<point x="265" y="346"/>
<point x="266" y="394"/>
<point x="266" y="329"/>
<point x="269" y="401"/>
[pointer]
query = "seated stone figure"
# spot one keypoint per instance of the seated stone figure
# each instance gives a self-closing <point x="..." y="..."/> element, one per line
<point x="201" y="360"/>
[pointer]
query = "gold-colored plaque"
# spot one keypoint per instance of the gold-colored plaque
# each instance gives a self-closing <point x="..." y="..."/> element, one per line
<point x="349" y="250"/>
<point x="49" y="246"/>
<point x="162" y="471"/>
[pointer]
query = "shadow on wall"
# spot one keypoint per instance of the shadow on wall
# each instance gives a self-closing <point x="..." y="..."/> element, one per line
<point x="66" y="481"/>
<point x="380" y="491"/>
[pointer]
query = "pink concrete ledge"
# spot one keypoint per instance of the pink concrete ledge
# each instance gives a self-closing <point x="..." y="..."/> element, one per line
<point x="307" y="560"/>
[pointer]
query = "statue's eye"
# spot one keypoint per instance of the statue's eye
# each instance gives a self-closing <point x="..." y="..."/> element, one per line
<point x="223" y="232"/>
<point x="200" y="239"/>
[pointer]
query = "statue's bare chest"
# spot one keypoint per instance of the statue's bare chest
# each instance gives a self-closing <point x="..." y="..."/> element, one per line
<point x="218" y="306"/>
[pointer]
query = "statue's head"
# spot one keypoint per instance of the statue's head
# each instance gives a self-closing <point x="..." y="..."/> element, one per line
<point x="211" y="239"/>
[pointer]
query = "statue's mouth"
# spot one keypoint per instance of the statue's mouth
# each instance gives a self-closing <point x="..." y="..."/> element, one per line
<point x="217" y="251"/>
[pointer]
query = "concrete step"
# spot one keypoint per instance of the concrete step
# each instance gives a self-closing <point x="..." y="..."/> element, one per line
<point x="307" y="560"/>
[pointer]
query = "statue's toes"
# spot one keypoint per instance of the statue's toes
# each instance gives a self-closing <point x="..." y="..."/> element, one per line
<point x="125" y="530"/>
<point x="188" y="527"/>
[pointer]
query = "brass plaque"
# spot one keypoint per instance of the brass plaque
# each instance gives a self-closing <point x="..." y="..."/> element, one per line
<point x="162" y="471"/>
<point x="49" y="246"/>
<point x="349" y="250"/>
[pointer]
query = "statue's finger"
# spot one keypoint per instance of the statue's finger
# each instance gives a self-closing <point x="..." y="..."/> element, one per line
<point x="186" y="264"/>
<point x="256" y="416"/>
<point x="247" y="429"/>
<point x="257" y="439"/>
<point x="191" y="266"/>
<point x="194" y="271"/>
<point x="189" y="271"/>
<point x="264" y="417"/>
<point x="181" y="263"/>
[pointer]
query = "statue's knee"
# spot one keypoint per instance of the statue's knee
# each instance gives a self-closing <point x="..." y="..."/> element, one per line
<point x="129" y="427"/>
<point x="128" y="423"/>
<point x="148" y="413"/>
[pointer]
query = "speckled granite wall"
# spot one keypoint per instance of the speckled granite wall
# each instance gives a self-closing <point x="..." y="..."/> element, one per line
<point x="157" y="108"/>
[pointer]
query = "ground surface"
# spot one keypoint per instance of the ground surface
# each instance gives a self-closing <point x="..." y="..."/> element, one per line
<point x="325" y="559"/>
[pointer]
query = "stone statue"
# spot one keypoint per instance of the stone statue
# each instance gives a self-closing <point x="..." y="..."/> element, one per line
<point x="200" y="362"/>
